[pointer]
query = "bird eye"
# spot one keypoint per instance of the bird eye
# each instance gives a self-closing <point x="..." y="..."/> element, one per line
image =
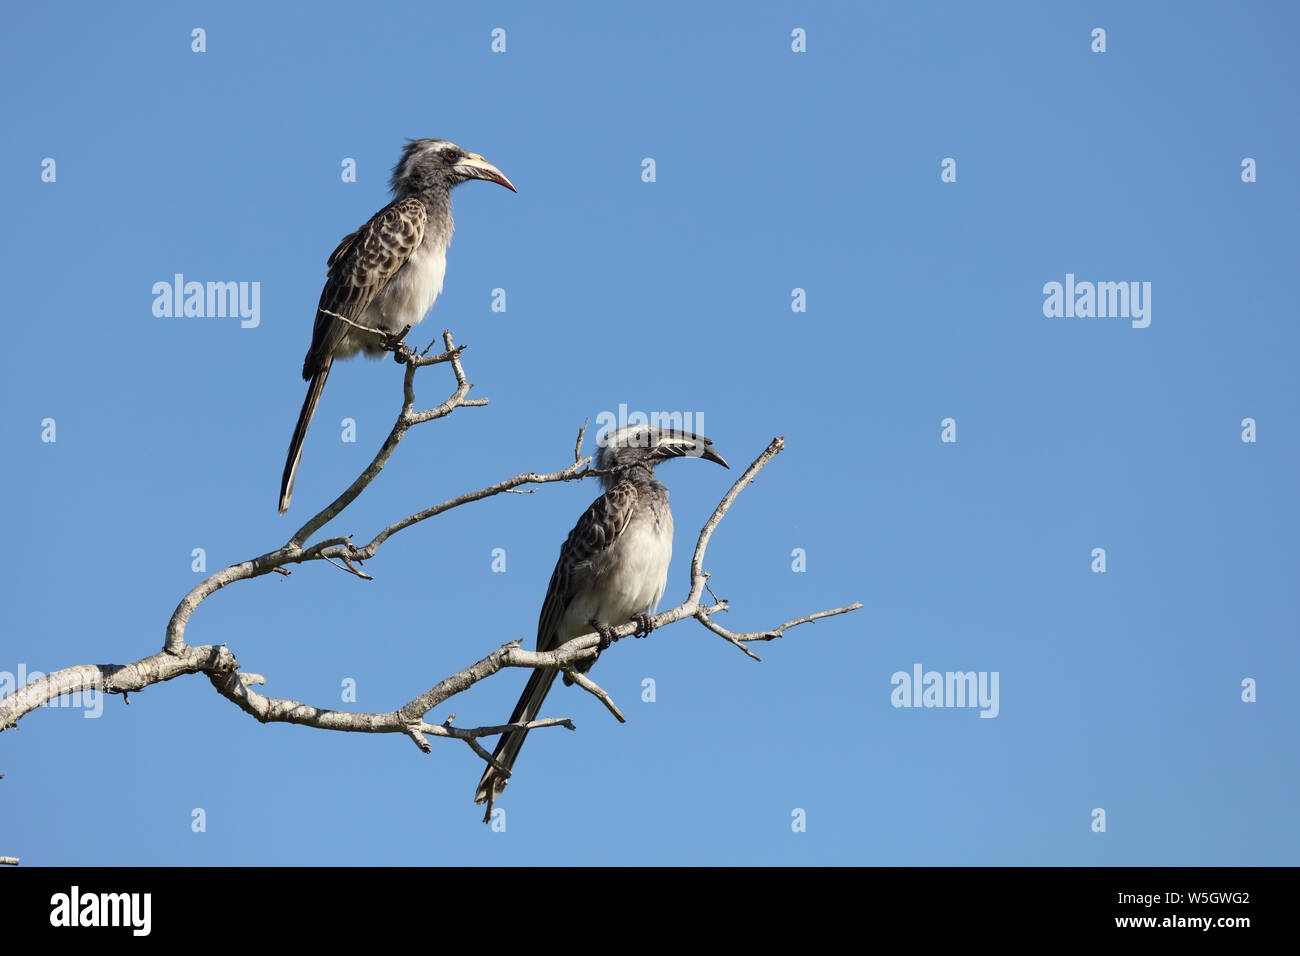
<point x="450" y="156"/>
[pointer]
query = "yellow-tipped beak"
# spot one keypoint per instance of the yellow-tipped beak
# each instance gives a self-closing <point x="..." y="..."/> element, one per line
<point x="478" y="167"/>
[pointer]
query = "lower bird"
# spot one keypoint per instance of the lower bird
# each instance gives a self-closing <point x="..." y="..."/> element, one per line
<point x="612" y="568"/>
<point x="384" y="277"/>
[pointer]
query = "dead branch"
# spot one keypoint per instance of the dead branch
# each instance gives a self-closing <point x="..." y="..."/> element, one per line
<point x="222" y="669"/>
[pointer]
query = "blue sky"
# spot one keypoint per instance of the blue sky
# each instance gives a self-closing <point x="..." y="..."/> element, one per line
<point x="775" y="171"/>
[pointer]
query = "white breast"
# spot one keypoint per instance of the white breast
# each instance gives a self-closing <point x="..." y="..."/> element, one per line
<point x="410" y="294"/>
<point x="631" y="576"/>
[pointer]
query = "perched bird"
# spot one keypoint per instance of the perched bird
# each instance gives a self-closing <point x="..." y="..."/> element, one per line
<point x="386" y="275"/>
<point x="612" y="568"/>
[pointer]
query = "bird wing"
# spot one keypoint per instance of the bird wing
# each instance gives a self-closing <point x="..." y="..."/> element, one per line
<point x="358" y="268"/>
<point x="596" y="531"/>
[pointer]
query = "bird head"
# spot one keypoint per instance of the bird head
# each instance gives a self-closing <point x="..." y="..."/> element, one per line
<point x="649" y="445"/>
<point x="433" y="163"/>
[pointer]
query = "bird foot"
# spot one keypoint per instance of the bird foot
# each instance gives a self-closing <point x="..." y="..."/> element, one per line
<point x="395" y="342"/>
<point x="643" y="625"/>
<point x="606" y="634"/>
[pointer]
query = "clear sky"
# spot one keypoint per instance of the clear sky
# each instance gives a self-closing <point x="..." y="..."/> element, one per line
<point x="775" y="170"/>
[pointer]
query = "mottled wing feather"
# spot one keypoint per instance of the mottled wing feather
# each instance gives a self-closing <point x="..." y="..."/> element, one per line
<point x="339" y="250"/>
<point x="595" y="532"/>
<point x="359" y="268"/>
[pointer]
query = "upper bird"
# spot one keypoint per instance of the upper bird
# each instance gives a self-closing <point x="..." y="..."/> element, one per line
<point x="384" y="277"/>
<point x="612" y="569"/>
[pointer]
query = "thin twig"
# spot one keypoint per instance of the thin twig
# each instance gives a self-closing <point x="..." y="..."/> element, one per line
<point x="591" y="687"/>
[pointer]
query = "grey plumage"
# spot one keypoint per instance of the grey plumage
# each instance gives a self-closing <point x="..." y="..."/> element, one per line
<point x="388" y="273"/>
<point x="612" y="568"/>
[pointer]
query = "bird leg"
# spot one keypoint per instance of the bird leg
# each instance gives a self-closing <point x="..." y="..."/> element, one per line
<point x="643" y="625"/>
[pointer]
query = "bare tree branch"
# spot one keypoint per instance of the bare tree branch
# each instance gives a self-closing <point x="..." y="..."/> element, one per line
<point x="222" y="669"/>
<point x="591" y="687"/>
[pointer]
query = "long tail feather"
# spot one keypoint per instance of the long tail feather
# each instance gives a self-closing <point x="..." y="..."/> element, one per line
<point x="300" y="434"/>
<point x="530" y="704"/>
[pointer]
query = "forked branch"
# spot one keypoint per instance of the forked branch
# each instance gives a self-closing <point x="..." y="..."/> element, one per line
<point x="177" y="658"/>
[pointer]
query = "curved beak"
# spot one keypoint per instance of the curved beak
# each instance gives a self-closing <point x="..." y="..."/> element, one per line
<point x="687" y="445"/>
<point x="477" y="167"/>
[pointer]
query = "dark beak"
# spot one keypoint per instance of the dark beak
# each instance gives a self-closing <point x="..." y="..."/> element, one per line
<point x="687" y="445"/>
<point x="713" y="456"/>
